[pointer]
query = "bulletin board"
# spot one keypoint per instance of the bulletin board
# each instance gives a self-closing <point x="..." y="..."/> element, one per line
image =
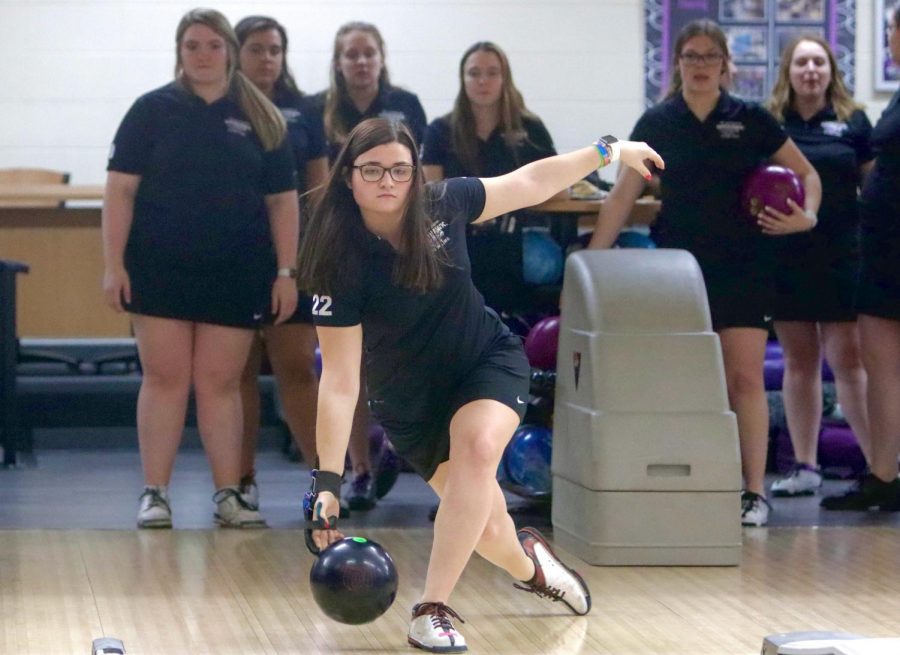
<point x="757" y="31"/>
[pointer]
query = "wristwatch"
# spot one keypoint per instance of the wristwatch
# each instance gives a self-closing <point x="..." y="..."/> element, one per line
<point x="287" y="272"/>
<point x="613" y="144"/>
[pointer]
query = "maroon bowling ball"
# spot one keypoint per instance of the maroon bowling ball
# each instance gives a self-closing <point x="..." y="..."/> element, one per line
<point x="542" y="343"/>
<point x="770" y="185"/>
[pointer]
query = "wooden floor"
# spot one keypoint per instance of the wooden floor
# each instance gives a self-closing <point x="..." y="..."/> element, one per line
<point x="224" y="592"/>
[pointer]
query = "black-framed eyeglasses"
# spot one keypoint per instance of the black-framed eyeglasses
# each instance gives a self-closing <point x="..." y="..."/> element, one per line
<point x="374" y="172"/>
<point x="696" y="59"/>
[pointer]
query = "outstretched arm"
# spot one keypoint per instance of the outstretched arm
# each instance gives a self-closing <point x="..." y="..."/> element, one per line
<point x="341" y="349"/>
<point x="538" y="181"/>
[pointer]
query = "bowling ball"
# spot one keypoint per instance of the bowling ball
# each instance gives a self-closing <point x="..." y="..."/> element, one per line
<point x="633" y="239"/>
<point x="354" y="581"/>
<point x="542" y="343"/>
<point x="770" y="185"/>
<point x="385" y="461"/>
<point x="527" y="459"/>
<point x="542" y="258"/>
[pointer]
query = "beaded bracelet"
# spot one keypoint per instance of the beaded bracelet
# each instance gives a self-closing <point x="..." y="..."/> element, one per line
<point x="605" y="152"/>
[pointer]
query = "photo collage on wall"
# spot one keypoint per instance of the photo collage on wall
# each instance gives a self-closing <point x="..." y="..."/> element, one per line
<point x="757" y="32"/>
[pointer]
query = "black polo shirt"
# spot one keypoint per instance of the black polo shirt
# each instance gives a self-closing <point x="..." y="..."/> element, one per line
<point x="706" y="164"/>
<point x="305" y="131"/>
<point x="880" y="189"/>
<point x="836" y="149"/>
<point x="418" y="346"/>
<point x="495" y="155"/>
<point x="391" y="102"/>
<point x="204" y="178"/>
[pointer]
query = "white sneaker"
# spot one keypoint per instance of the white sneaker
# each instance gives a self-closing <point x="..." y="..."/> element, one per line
<point x="432" y="630"/>
<point x="552" y="579"/>
<point x="803" y="480"/>
<point x="233" y="512"/>
<point x="249" y="491"/>
<point x="154" y="510"/>
<point x="754" y="509"/>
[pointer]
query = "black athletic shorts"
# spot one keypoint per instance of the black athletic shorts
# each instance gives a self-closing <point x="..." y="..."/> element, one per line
<point x="503" y="374"/>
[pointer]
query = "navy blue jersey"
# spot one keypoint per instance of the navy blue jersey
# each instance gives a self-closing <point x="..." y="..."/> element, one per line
<point x="418" y="346"/>
<point x="305" y="131"/>
<point x="391" y="102"/>
<point x="880" y="188"/>
<point x="706" y="164"/>
<point x="495" y="155"/>
<point x="836" y="149"/>
<point x="204" y="178"/>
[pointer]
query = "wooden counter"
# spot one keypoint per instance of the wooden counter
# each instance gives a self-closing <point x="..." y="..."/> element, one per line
<point x="61" y="296"/>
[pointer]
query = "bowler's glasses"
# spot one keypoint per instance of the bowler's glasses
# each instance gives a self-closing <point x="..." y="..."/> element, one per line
<point x="374" y="172"/>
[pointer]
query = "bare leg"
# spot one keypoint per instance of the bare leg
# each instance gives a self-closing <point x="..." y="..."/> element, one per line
<point x="479" y="432"/>
<point x="250" y="404"/>
<point x="219" y="357"/>
<point x="165" y="347"/>
<point x="498" y="543"/>
<point x="291" y="351"/>
<point x="743" y="351"/>
<point x="841" y="341"/>
<point x="802" y="386"/>
<point x="880" y="341"/>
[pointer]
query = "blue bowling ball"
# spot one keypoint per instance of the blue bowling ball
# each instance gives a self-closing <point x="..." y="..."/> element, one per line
<point x="527" y="459"/>
<point x="542" y="258"/>
<point x="633" y="239"/>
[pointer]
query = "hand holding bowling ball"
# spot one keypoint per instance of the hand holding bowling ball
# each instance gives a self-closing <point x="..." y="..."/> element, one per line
<point x="772" y="197"/>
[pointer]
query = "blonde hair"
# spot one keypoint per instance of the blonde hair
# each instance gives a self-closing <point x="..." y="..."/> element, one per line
<point x="267" y="121"/>
<point x="335" y="129"/>
<point x="836" y="95"/>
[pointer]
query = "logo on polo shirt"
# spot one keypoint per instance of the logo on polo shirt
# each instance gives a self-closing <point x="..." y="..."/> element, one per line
<point x="290" y="114"/>
<point x="237" y="126"/>
<point x="437" y="236"/>
<point x="393" y="116"/>
<point x="834" y="128"/>
<point x="730" y="129"/>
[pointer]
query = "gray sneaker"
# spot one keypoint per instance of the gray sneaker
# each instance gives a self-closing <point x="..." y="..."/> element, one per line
<point x="802" y="480"/>
<point x="154" y="510"/>
<point x="233" y="512"/>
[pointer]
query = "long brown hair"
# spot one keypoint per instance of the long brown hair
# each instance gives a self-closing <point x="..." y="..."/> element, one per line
<point x="702" y="27"/>
<point x="335" y="129"/>
<point x="464" y="137"/>
<point x="267" y="121"/>
<point x="836" y="95"/>
<point x="335" y="228"/>
<point x="252" y="24"/>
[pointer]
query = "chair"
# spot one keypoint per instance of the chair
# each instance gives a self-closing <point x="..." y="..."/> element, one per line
<point x="28" y="176"/>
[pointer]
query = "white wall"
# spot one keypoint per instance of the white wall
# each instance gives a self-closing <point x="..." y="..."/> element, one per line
<point x="69" y="69"/>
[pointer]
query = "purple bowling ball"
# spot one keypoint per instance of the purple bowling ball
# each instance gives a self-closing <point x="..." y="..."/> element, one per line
<point x="542" y="343"/>
<point x="770" y="185"/>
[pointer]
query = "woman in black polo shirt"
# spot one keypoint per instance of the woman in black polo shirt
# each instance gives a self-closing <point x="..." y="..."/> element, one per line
<point x="489" y="132"/>
<point x="385" y="258"/>
<point x="878" y="304"/>
<point x="200" y="237"/>
<point x="817" y="271"/>
<point x="290" y="346"/>
<point x="711" y="141"/>
<point x="361" y="88"/>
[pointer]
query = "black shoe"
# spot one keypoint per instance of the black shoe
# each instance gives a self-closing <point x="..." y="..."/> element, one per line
<point x="867" y="493"/>
<point x="362" y="492"/>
